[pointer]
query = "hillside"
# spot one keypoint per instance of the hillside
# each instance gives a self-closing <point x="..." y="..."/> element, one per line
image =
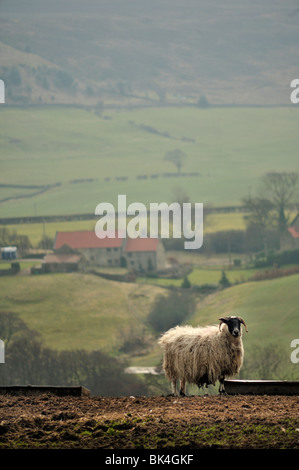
<point x="80" y="311"/>
<point x="66" y="161"/>
<point x="144" y="52"/>
<point x="269" y="308"/>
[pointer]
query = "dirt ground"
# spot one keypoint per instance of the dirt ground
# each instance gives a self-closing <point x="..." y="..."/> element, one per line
<point x="246" y="422"/>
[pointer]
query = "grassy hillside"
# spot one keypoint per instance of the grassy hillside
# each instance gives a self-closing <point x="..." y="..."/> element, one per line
<point x="269" y="308"/>
<point x="69" y="160"/>
<point x="35" y="231"/>
<point x="144" y="52"/>
<point x="77" y="311"/>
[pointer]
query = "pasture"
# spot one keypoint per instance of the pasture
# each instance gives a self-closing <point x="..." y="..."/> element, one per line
<point x="60" y="160"/>
<point x="82" y="311"/>
<point x="36" y="231"/>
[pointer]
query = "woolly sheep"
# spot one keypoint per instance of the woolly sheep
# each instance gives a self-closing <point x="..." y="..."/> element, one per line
<point x="203" y="355"/>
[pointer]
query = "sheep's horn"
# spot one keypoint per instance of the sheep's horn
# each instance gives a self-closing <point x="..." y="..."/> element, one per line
<point x="242" y="321"/>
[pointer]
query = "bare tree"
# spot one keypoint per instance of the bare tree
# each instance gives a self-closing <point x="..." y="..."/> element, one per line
<point x="176" y="157"/>
<point x="260" y="219"/>
<point x="282" y="190"/>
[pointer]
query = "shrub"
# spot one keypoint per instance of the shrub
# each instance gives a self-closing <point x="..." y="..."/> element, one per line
<point x="186" y="284"/>
<point x="169" y="311"/>
<point x="224" y="281"/>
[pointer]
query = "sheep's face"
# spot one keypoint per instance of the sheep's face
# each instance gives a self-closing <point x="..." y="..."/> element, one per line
<point x="234" y="325"/>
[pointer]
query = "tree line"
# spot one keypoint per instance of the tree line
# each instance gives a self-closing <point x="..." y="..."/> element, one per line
<point x="29" y="361"/>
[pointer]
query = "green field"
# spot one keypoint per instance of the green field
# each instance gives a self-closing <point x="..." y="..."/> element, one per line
<point x="81" y="311"/>
<point x="35" y="231"/>
<point x="205" y="275"/>
<point x="230" y="149"/>
<point x="270" y="309"/>
<point x="77" y="311"/>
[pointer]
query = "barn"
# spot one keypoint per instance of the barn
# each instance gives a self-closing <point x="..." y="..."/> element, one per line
<point x="140" y="254"/>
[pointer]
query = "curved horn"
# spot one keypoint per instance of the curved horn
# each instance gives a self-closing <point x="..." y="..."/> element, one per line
<point x="242" y="321"/>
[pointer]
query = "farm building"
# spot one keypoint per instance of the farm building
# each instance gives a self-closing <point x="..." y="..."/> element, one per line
<point x="290" y="238"/>
<point x="145" y="254"/>
<point x="61" y="263"/>
<point x="94" y="250"/>
<point x="141" y="254"/>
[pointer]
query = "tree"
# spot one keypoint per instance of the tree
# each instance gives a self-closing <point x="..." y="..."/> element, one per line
<point x="46" y="242"/>
<point x="281" y="189"/>
<point x="176" y="157"/>
<point x="186" y="284"/>
<point x="11" y="326"/>
<point x="260" y="219"/>
<point x="203" y="102"/>
<point x="265" y="362"/>
<point x="224" y="281"/>
<point x="169" y="311"/>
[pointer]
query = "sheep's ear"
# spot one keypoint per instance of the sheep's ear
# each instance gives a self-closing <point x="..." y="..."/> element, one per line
<point x="222" y="320"/>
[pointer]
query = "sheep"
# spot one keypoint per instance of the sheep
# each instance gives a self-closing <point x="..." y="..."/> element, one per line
<point x="203" y="355"/>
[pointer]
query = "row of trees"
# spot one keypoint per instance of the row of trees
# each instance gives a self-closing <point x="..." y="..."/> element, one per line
<point x="267" y="215"/>
<point x="28" y="361"/>
<point x="268" y="210"/>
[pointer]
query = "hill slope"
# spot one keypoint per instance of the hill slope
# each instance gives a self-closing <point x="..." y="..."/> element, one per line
<point x="269" y="308"/>
<point x="140" y="51"/>
<point x="75" y="158"/>
<point x="78" y="311"/>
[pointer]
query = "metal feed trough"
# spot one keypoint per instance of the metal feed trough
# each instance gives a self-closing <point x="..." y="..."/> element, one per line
<point x="261" y="387"/>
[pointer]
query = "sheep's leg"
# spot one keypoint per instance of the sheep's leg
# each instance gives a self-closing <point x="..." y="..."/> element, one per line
<point x="221" y="386"/>
<point x="173" y="386"/>
<point x="183" y="388"/>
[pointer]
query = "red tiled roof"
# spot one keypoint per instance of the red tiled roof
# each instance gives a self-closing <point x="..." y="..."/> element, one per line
<point x="85" y="239"/>
<point x="294" y="231"/>
<point x="142" y="244"/>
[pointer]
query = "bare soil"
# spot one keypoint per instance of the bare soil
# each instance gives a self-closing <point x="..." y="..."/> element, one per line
<point x="246" y="422"/>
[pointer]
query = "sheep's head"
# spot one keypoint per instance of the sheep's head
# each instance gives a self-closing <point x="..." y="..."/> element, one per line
<point x="234" y="325"/>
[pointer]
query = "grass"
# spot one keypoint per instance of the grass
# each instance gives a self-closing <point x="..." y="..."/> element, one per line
<point x="230" y="148"/>
<point x="35" y="231"/>
<point x="206" y="275"/>
<point x="81" y="311"/>
<point x="77" y="311"/>
<point x="269" y="308"/>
